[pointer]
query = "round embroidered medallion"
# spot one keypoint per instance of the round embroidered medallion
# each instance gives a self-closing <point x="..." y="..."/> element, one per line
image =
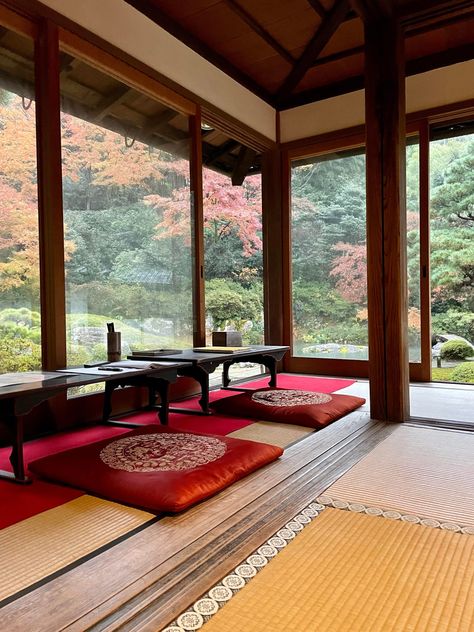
<point x="290" y="398"/>
<point x="162" y="452"/>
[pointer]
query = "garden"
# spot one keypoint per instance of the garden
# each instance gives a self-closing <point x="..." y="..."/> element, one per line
<point x="128" y="248"/>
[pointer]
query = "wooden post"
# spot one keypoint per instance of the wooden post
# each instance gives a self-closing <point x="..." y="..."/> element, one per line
<point x="386" y="218"/>
<point x="51" y="228"/>
<point x="197" y="231"/>
<point x="272" y="247"/>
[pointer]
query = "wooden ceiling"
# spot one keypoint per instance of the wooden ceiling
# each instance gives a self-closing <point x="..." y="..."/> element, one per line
<point x="291" y="52"/>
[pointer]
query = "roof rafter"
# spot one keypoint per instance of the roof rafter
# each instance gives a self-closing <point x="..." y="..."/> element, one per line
<point x="373" y="9"/>
<point x="154" y="13"/>
<point x="412" y="67"/>
<point x="158" y="122"/>
<point x="242" y="165"/>
<point x="319" y="40"/>
<point x="257" y="28"/>
<point x="318" y="7"/>
<point x="220" y="150"/>
<point x="110" y="101"/>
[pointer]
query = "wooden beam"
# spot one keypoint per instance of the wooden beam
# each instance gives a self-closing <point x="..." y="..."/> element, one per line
<point x="258" y="28"/>
<point x="273" y="250"/>
<point x="318" y="7"/>
<point x="342" y="54"/>
<point x="322" y="36"/>
<point x="386" y="221"/>
<point x="197" y="223"/>
<point x="219" y="151"/>
<point x="373" y="9"/>
<point x="110" y="101"/>
<point x="412" y="67"/>
<point x="158" y="122"/>
<point x="241" y="168"/>
<point x="51" y="226"/>
<point x="319" y="94"/>
<point x="154" y="13"/>
<point x="67" y="66"/>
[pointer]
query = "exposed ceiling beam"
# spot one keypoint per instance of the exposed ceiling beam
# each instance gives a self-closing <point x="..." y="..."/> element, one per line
<point x="154" y="13"/>
<point x="67" y="65"/>
<point x="158" y="122"/>
<point x="342" y="54"/>
<point x="257" y="28"/>
<point x="373" y="9"/>
<point x="319" y="40"/>
<point x="318" y="7"/>
<point x="423" y="25"/>
<point x="220" y="150"/>
<point x="244" y="160"/>
<point x="168" y="132"/>
<point x="323" y="92"/>
<point x="110" y="101"/>
<point x="421" y="11"/>
<point x="412" y="67"/>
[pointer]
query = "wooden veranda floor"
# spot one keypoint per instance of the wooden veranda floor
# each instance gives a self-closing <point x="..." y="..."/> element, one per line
<point x="148" y="579"/>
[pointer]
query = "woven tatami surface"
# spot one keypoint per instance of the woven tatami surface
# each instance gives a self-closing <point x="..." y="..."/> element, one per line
<point x="416" y="470"/>
<point x="45" y="543"/>
<point x="350" y="572"/>
<point x="282" y="435"/>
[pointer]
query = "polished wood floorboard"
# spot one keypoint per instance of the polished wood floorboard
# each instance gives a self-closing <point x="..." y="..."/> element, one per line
<point x="144" y="582"/>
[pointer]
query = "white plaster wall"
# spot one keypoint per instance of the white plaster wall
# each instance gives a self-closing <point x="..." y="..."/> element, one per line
<point x="120" y="24"/>
<point x="426" y="90"/>
<point x="322" y="116"/>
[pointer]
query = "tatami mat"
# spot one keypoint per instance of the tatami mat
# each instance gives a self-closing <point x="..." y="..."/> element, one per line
<point x="350" y="572"/>
<point x="43" y="544"/>
<point x="426" y="472"/>
<point x="282" y="435"/>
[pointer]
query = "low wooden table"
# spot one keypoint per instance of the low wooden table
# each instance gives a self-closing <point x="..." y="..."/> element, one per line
<point x="200" y="365"/>
<point x="19" y="399"/>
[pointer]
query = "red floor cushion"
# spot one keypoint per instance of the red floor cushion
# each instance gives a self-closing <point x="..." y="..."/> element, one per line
<point x="156" y="468"/>
<point x="304" y="408"/>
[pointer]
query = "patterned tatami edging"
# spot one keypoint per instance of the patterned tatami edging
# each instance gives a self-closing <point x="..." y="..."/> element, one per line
<point x="209" y="604"/>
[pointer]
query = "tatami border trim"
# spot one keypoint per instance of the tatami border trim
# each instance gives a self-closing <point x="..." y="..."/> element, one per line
<point x="207" y="606"/>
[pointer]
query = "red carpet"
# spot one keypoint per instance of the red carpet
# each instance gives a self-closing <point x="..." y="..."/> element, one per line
<point x="303" y="383"/>
<point x="19" y="502"/>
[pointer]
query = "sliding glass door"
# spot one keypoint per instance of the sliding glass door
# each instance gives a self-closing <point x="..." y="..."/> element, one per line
<point x="452" y="252"/>
<point x="328" y="254"/>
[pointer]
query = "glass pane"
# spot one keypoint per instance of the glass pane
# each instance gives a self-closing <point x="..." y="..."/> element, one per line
<point x="233" y="251"/>
<point x="20" y="334"/>
<point x="452" y="253"/>
<point x="127" y="216"/>
<point x="413" y="247"/>
<point x="328" y="238"/>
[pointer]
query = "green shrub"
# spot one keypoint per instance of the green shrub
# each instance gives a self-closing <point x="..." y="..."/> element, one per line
<point x="464" y="373"/>
<point x="456" y="350"/>
<point x="454" y="321"/>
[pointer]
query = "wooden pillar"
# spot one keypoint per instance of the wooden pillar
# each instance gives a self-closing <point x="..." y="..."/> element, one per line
<point x="386" y="218"/>
<point x="51" y="228"/>
<point x="272" y="246"/>
<point x="197" y="231"/>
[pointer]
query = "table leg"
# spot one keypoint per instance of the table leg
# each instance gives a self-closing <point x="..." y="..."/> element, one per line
<point x="162" y="387"/>
<point x="271" y="365"/>
<point x="107" y="409"/>
<point x="14" y="426"/>
<point x="225" y="374"/>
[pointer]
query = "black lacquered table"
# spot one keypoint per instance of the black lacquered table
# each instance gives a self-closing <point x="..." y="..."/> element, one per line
<point x="18" y="400"/>
<point x="199" y="365"/>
